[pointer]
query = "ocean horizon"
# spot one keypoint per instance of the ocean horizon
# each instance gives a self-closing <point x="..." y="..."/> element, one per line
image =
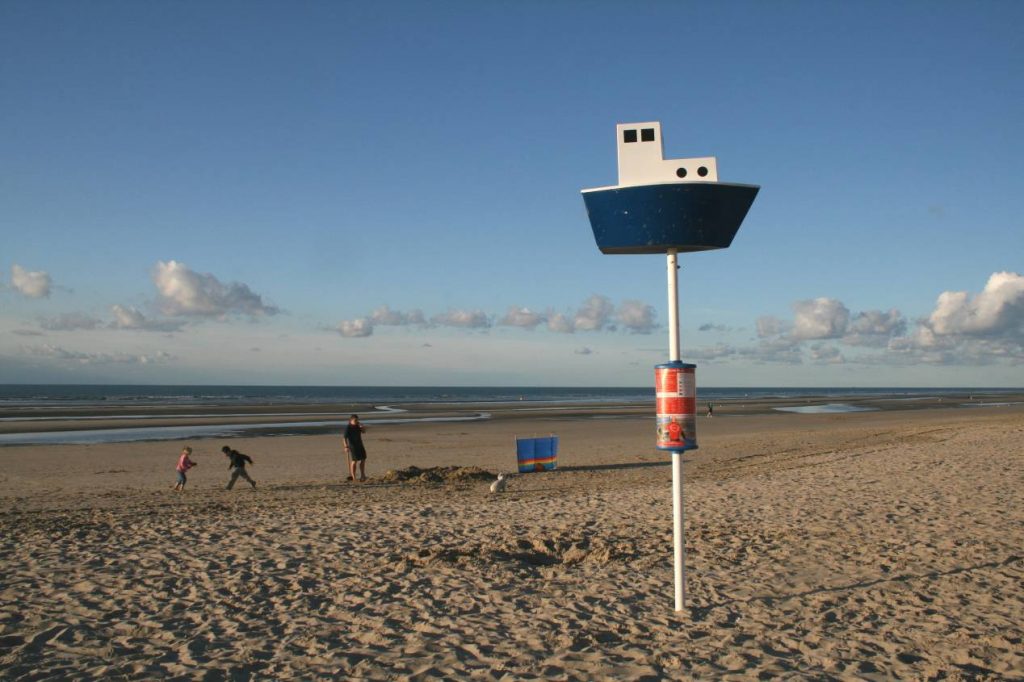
<point x="225" y="395"/>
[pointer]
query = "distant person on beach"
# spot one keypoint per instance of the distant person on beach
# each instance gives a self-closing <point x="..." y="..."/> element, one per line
<point x="711" y="410"/>
<point x="236" y="464"/>
<point x="184" y="464"/>
<point x="354" y="448"/>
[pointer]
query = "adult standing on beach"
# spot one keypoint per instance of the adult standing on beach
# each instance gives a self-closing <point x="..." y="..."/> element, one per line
<point x="354" y="448"/>
<point x="236" y="464"/>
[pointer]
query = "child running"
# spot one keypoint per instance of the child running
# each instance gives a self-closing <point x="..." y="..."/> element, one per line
<point x="184" y="464"/>
<point x="236" y="463"/>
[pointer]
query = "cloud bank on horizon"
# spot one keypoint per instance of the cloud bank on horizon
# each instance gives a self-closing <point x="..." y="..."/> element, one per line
<point x="596" y="314"/>
<point x="964" y="328"/>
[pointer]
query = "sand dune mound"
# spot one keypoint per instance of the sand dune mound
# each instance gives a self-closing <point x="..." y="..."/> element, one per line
<point x="415" y="474"/>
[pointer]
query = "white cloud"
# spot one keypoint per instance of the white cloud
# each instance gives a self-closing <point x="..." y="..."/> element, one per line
<point x="967" y="330"/>
<point x="70" y="322"/>
<point x="58" y="353"/>
<point x="878" y="322"/>
<point x="30" y="284"/>
<point x="467" y="319"/>
<point x="385" y="316"/>
<point x="875" y="328"/>
<point x="559" y="323"/>
<point x="825" y="354"/>
<point x="964" y="329"/>
<point x="820" y="318"/>
<point x="709" y="327"/>
<point x="185" y="292"/>
<point x="358" y="328"/>
<point x="583" y="351"/>
<point x="521" y="317"/>
<point x="637" y="317"/>
<point x="594" y="315"/>
<point x="782" y="349"/>
<point x="997" y="310"/>
<point x="130" y="318"/>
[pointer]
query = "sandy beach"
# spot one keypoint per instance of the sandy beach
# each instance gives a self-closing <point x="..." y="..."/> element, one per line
<point x="869" y="545"/>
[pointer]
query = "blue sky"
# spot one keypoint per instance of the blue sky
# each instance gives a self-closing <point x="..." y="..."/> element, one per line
<point x="388" y="193"/>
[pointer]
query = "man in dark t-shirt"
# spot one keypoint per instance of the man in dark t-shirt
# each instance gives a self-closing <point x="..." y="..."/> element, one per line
<point x="354" y="447"/>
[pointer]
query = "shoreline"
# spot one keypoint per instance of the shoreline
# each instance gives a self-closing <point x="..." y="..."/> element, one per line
<point x="137" y="423"/>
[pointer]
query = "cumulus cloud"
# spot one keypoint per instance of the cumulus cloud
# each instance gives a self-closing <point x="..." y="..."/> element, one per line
<point x="30" y="284"/>
<point x="826" y="354"/>
<point x="360" y="327"/>
<point x="385" y="316"/>
<point x="62" y="354"/>
<point x="820" y="318"/>
<point x="184" y="292"/>
<point x="467" y="319"/>
<point x="967" y="329"/>
<point x="126" y="317"/>
<point x="559" y="323"/>
<point x="708" y="327"/>
<point x="964" y="329"/>
<point x="523" y="318"/>
<point x="594" y="315"/>
<point x="637" y="317"/>
<point x="875" y="328"/>
<point x="597" y="313"/>
<point x="996" y="311"/>
<point x="782" y="349"/>
<point x="715" y="352"/>
<point x="876" y="322"/>
<point x="69" y="322"/>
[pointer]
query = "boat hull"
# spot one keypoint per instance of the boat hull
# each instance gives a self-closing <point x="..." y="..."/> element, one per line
<point x="691" y="216"/>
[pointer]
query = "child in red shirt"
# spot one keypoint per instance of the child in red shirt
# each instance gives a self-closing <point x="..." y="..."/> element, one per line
<point x="184" y="464"/>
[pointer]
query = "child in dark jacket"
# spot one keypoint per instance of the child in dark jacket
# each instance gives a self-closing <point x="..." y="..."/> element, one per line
<point x="236" y="464"/>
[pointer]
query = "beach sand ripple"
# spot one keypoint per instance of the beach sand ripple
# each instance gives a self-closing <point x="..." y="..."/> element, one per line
<point x="866" y="548"/>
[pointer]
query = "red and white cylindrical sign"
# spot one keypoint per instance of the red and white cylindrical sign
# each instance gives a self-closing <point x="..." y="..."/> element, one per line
<point x="675" y="390"/>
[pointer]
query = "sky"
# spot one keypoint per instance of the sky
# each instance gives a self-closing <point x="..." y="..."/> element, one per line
<point x="388" y="193"/>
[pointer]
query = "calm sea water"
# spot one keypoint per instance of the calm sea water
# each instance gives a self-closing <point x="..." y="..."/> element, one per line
<point x="387" y="399"/>
<point x="84" y="395"/>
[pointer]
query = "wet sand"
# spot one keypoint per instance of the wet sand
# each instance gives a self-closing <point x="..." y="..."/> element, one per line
<point x="870" y="545"/>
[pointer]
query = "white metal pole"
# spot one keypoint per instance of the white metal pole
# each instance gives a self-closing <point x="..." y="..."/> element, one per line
<point x="678" y="541"/>
<point x="677" y="530"/>
<point x="673" y="306"/>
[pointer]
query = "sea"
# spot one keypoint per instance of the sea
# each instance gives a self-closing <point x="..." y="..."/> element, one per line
<point x="84" y="395"/>
<point x="53" y="403"/>
<point x="210" y="395"/>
